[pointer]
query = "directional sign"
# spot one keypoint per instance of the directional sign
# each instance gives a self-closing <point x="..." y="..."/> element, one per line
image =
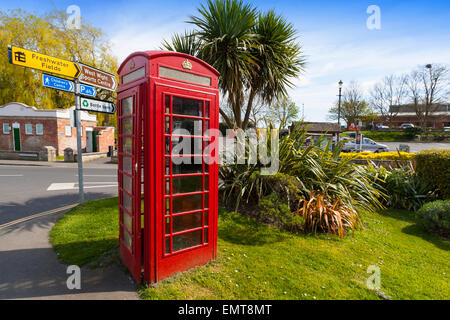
<point x="97" y="105"/>
<point x="98" y="78"/>
<point x="57" y="83"/>
<point x="87" y="90"/>
<point x="39" y="61"/>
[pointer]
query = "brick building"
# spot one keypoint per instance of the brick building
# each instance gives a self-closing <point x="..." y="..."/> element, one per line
<point x="439" y="116"/>
<point x="27" y="129"/>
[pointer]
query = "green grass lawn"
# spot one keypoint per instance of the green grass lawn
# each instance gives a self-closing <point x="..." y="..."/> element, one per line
<point x="256" y="261"/>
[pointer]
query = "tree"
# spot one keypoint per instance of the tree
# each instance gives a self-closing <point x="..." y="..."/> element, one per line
<point x="48" y="34"/>
<point x="353" y="106"/>
<point x="255" y="53"/>
<point x="391" y="91"/>
<point x="282" y="112"/>
<point x="428" y="86"/>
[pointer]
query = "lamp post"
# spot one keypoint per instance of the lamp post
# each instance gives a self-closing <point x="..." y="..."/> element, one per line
<point x="340" y="83"/>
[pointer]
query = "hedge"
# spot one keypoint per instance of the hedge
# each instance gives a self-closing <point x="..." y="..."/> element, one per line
<point x="379" y="156"/>
<point x="433" y="168"/>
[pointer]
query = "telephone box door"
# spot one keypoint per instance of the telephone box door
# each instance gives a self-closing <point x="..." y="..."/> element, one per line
<point x="129" y="178"/>
<point x="185" y="180"/>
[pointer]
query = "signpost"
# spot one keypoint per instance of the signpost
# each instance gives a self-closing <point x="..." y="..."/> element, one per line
<point x="67" y="85"/>
<point x="98" y="78"/>
<point x="97" y="105"/>
<point x="39" y="61"/>
<point x="79" y="73"/>
<point x="57" y="83"/>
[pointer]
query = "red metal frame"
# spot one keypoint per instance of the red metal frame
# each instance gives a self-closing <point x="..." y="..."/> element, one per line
<point x="160" y="257"/>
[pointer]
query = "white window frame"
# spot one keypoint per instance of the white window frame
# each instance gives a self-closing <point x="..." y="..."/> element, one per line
<point x="28" y="126"/>
<point x="68" y="131"/>
<point x="39" y="132"/>
<point x="7" y="127"/>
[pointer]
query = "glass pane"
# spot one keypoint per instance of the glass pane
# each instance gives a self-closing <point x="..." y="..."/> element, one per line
<point x="167" y="226"/>
<point x="167" y="166"/>
<point x="187" y="203"/>
<point x="127" y="126"/>
<point x="207" y="109"/>
<point x="127" y="221"/>
<point x="186" y="168"/>
<point x="126" y="183"/>
<point x="188" y="107"/>
<point x="167" y="125"/>
<point x="167" y="245"/>
<point x="126" y="201"/>
<point x="127" y="238"/>
<point x="205" y="235"/>
<point x="167" y="145"/>
<point x="167" y="104"/>
<point x="167" y="186"/>
<point x="168" y="206"/>
<point x="127" y="145"/>
<point x="206" y="183"/>
<point x="187" y="240"/>
<point x="206" y="200"/>
<point x="192" y="126"/>
<point x="206" y="218"/>
<point x="186" y="145"/>
<point x="187" y="184"/>
<point x="187" y="221"/>
<point x="126" y="164"/>
<point x="127" y="106"/>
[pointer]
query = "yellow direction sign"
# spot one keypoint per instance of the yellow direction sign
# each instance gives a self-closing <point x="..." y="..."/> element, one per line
<point x="39" y="61"/>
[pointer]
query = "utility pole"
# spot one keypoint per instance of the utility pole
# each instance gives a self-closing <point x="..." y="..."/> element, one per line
<point x="79" y="149"/>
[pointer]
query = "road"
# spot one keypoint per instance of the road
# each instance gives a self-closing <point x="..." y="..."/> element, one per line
<point x="28" y="190"/>
<point x="416" y="146"/>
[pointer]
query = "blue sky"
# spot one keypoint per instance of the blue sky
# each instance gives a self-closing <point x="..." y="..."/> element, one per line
<point x="335" y="39"/>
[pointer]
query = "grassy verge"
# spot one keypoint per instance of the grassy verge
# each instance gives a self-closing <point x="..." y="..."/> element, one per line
<point x="256" y="261"/>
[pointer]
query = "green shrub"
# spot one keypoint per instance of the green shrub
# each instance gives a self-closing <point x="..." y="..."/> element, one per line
<point x="411" y="133"/>
<point x="405" y="190"/>
<point x="433" y="168"/>
<point x="276" y="211"/>
<point x="435" y="216"/>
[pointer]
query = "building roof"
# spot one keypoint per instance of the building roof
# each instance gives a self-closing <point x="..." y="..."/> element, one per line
<point x="320" y="127"/>
<point x="17" y="109"/>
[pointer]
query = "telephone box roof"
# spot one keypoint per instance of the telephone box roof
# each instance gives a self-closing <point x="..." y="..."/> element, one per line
<point x="152" y="54"/>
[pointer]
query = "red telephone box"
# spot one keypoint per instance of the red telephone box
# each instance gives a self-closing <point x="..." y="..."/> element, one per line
<point x="168" y="194"/>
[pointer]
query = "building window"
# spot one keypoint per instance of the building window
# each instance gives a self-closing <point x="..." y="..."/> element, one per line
<point x="6" y="128"/>
<point x="39" y="129"/>
<point x="28" y="128"/>
<point x="68" y="131"/>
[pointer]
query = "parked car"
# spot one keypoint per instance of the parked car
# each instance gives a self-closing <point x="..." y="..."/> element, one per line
<point x="407" y="125"/>
<point x="380" y="126"/>
<point x="446" y="129"/>
<point x="368" y="145"/>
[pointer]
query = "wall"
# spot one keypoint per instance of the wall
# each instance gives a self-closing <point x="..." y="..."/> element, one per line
<point x="31" y="142"/>
<point x="71" y="142"/>
<point x="105" y="138"/>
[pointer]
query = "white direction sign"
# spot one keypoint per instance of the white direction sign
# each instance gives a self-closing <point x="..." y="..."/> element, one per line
<point x="97" y="105"/>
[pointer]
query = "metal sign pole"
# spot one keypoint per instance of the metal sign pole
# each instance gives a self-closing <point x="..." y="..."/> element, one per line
<point x="79" y="150"/>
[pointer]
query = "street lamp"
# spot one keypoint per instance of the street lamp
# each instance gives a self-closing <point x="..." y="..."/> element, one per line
<point x="340" y="83"/>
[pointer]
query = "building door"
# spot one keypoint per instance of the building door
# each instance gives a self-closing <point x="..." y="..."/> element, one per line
<point x="129" y="176"/>
<point x="184" y="178"/>
<point x="94" y="141"/>
<point x="89" y="140"/>
<point x="16" y="134"/>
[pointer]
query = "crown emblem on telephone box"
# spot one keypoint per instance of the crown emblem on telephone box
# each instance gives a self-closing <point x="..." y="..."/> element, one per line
<point x="187" y="65"/>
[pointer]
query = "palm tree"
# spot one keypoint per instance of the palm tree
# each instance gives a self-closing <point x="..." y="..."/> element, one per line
<point x="256" y="54"/>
